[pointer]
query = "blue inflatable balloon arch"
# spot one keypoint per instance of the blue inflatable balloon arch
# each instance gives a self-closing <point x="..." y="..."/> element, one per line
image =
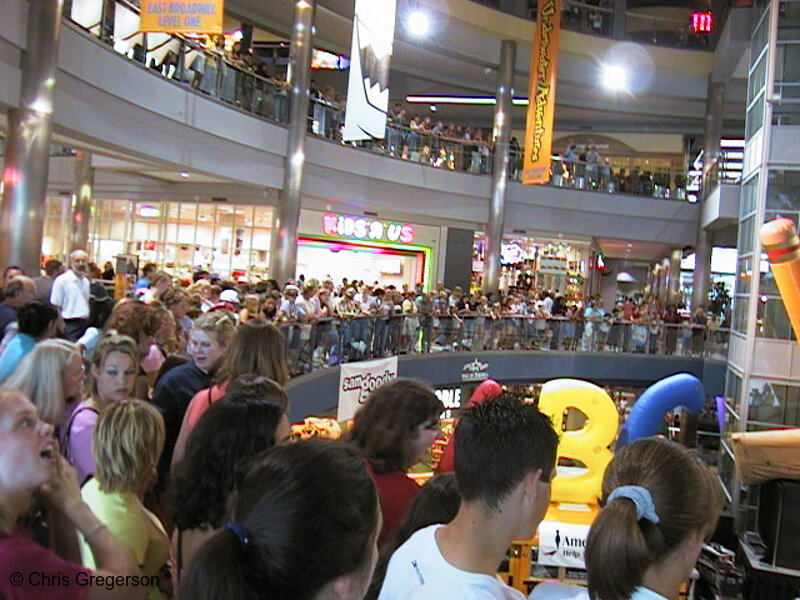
<point x="663" y="396"/>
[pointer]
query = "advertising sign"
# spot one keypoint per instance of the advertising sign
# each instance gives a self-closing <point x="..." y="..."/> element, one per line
<point x="562" y="544"/>
<point x="181" y="16"/>
<point x="542" y="94"/>
<point x="370" y="56"/>
<point x="357" y="380"/>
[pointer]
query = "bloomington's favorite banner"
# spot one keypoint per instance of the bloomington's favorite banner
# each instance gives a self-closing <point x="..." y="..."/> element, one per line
<point x="357" y="380"/>
<point x="542" y="94"/>
<point x="370" y="55"/>
<point x="181" y="16"/>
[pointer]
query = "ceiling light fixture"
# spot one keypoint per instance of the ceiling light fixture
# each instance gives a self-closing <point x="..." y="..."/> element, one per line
<point x="615" y="78"/>
<point x="418" y="23"/>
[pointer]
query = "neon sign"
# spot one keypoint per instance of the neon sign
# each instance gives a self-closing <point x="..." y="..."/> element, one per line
<point x="702" y="22"/>
<point x="367" y="229"/>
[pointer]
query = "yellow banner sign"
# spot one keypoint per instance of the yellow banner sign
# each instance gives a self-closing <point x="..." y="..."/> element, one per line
<point x="181" y="16"/>
<point x="542" y="94"/>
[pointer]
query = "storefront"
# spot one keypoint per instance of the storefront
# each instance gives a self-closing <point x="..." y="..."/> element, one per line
<point x="233" y="240"/>
<point x="362" y="248"/>
<point x="559" y="265"/>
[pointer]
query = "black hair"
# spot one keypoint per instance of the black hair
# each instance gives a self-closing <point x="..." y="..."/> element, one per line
<point x="385" y="425"/>
<point x="172" y="361"/>
<point x="35" y="316"/>
<point x="230" y="432"/>
<point x="308" y="514"/>
<point x="52" y="266"/>
<point x="438" y="501"/>
<point x="497" y="444"/>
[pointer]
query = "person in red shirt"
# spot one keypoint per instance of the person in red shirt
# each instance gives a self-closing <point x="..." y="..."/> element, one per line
<point x="489" y="389"/>
<point x="30" y="463"/>
<point x="394" y="430"/>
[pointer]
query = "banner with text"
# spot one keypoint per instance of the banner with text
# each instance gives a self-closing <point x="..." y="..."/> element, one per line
<point x="357" y="380"/>
<point x="187" y="16"/>
<point x="562" y="544"/>
<point x="542" y="94"/>
<point x="370" y="55"/>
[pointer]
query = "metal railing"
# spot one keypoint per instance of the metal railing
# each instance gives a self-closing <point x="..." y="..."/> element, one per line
<point x="187" y="63"/>
<point x="331" y="341"/>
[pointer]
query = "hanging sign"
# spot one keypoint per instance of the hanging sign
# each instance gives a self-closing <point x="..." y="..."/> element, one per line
<point x="357" y="380"/>
<point x="370" y="56"/>
<point x="542" y="94"/>
<point x="181" y="16"/>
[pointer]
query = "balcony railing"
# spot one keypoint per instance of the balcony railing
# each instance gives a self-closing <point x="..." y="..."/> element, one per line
<point x="187" y="63"/>
<point x="330" y="341"/>
<point x="596" y="17"/>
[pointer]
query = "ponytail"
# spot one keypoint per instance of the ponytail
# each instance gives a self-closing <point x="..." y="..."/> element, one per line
<point x="617" y="553"/>
<point x="222" y="569"/>
<point x="663" y="495"/>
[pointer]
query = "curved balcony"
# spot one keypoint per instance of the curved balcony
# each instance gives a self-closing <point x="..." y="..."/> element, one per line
<point x="657" y="22"/>
<point x="189" y="64"/>
<point x="511" y="348"/>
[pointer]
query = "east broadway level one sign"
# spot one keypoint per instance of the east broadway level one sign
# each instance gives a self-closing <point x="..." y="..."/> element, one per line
<point x="158" y="16"/>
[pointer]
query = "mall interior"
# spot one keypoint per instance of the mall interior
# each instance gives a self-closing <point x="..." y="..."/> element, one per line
<point x="676" y="136"/>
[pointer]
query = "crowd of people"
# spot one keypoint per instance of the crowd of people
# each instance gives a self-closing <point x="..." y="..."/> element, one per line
<point x="241" y="513"/>
<point x="324" y="323"/>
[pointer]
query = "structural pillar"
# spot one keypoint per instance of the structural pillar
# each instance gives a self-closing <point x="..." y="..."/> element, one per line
<point x="701" y="280"/>
<point x="674" y="286"/>
<point x="82" y="201"/>
<point x="502" y="134"/>
<point x="283" y="255"/>
<point x="620" y="20"/>
<point x="28" y="142"/>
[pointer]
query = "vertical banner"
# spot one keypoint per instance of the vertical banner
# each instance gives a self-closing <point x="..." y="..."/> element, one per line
<point x="357" y="381"/>
<point x="370" y="55"/>
<point x="542" y="94"/>
<point x="181" y="16"/>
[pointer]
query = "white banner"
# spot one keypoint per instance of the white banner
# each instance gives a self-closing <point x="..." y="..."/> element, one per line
<point x="357" y="380"/>
<point x="562" y="544"/>
<point x="370" y="56"/>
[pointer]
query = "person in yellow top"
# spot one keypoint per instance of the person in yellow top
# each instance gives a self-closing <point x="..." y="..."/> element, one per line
<point x="127" y="443"/>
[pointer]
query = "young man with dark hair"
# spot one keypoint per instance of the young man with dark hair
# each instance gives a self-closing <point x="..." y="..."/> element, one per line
<point x="505" y="461"/>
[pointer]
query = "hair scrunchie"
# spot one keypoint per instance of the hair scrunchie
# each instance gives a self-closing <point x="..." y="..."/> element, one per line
<point x="240" y="533"/>
<point x="645" y="507"/>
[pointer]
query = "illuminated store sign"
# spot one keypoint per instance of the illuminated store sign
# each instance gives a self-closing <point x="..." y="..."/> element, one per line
<point x="702" y="22"/>
<point x="367" y="229"/>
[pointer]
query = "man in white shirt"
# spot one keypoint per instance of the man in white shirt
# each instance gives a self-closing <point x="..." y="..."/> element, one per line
<point x="505" y="459"/>
<point x="70" y="294"/>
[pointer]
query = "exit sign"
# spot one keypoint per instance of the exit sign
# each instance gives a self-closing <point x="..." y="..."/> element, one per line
<point x="702" y="22"/>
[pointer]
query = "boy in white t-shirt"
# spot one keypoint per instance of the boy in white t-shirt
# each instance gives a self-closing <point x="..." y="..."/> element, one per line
<point x="505" y="460"/>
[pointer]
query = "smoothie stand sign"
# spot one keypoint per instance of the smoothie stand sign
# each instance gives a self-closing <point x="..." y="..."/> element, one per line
<point x="187" y="16"/>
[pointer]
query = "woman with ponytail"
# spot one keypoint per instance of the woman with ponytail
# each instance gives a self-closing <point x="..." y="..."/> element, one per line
<point x="660" y="504"/>
<point x="304" y="526"/>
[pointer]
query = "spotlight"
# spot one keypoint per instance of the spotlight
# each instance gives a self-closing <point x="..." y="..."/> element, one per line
<point x="418" y="23"/>
<point x="184" y="174"/>
<point x="615" y="78"/>
<point x="238" y="35"/>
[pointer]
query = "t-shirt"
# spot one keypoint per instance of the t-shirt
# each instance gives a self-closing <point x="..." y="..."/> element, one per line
<point x="396" y="490"/>
<point x="642" y="593"/>
<point x="198" y="406"/>
<point x="19" y="554"/>
<point x="171" y="396"/>
<point x="550" y="590"/>
<point x="16" y="350"/>
<point x="71" y="294"/>
<point x="78" y="442"/>
<point x="133" y="525"/>
<point x="417" y="570"/>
